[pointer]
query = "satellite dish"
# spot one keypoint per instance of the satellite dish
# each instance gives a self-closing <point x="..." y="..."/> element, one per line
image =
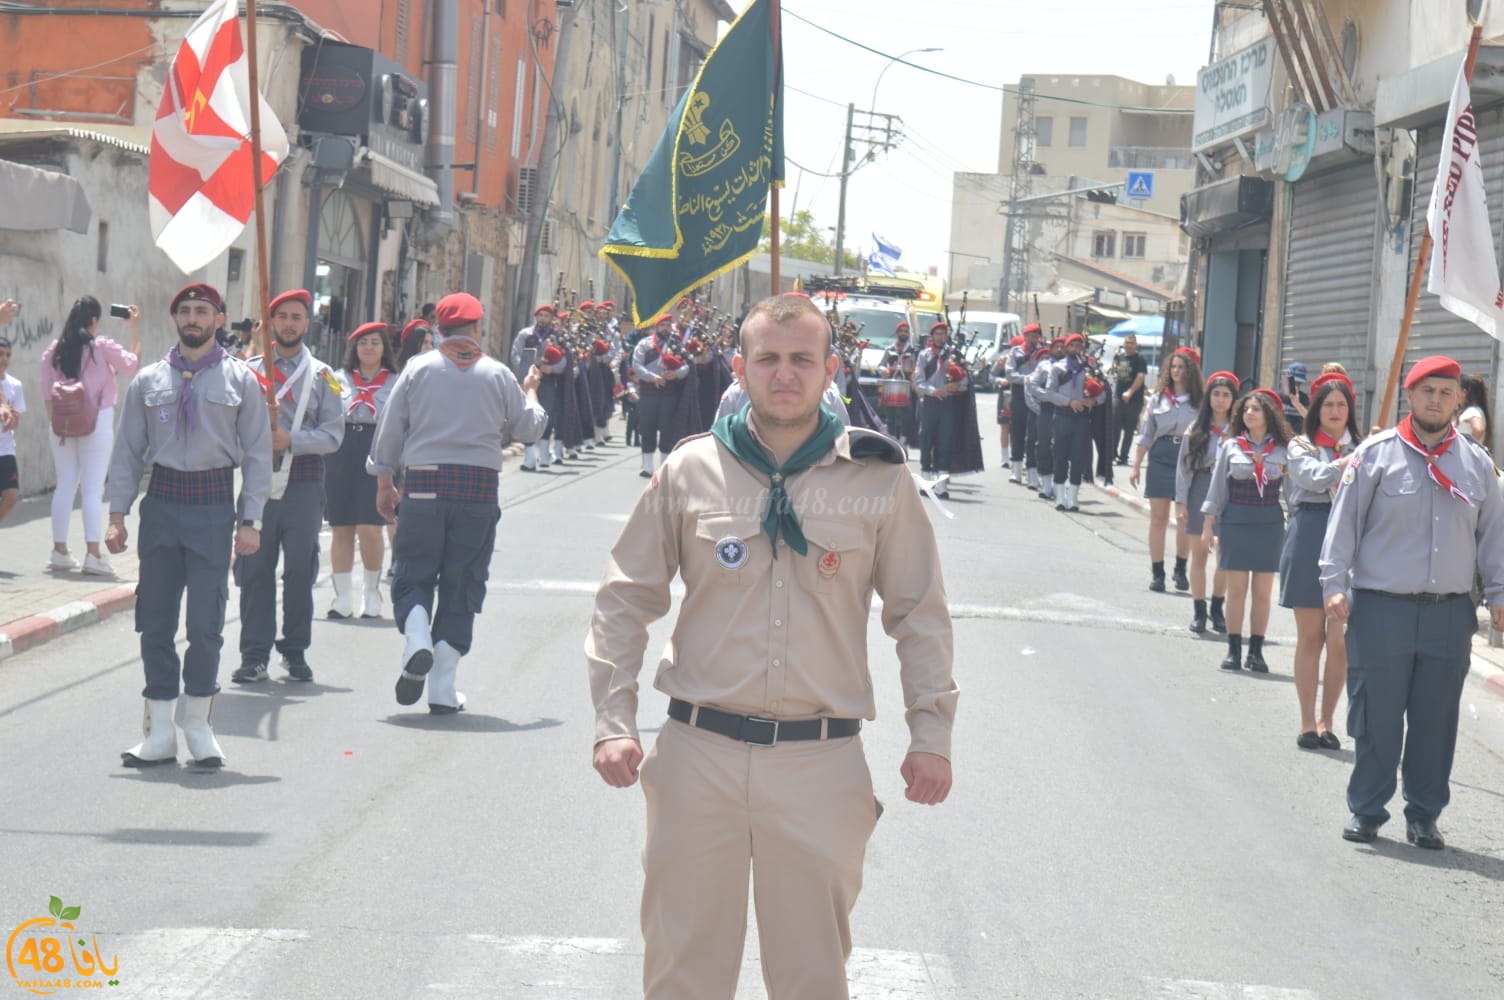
<point x="1170" y="80"/>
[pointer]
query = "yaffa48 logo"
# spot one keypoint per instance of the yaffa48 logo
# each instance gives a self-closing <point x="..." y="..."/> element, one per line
<point x="49" y="954"/>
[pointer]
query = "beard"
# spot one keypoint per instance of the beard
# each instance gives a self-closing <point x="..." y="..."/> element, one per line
<point x="287" y="340"/>
<point x="194" y="337"/>
<point x="1426" y="427"/>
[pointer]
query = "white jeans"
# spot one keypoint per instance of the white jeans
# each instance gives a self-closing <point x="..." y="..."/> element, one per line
<point x="82" y="461"/>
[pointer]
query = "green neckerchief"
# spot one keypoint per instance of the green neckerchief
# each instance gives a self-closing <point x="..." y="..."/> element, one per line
<point x="733" y="432"/>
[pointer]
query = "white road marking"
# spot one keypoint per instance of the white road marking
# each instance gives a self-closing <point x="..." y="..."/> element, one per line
<point x="1196" y="989"/>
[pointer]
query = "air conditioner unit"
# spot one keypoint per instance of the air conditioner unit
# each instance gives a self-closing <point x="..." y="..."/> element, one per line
<point x="527" y="188"/>
<point x="548" y="237"/>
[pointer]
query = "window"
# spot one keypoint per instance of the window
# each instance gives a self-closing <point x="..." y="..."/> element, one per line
<point x="1133" y="245"/>
<point x="1102" y="244"/>
<point x="1044" y="129"/>
<point x="1078" y="131"/>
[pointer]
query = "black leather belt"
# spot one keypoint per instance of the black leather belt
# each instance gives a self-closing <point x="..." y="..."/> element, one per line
<point x="1418" y="598"/>
<point x="761" y="732"/>
<point x="1314" y="505"/>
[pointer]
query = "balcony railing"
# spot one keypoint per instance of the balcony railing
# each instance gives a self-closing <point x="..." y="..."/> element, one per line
<point x="1150" y="158"/>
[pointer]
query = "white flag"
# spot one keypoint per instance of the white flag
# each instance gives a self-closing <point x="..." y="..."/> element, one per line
<point x="1464" y="270"/>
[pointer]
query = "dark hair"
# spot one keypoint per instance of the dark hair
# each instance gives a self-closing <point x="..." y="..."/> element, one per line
<point x="1201" y="430"/>
<point x="412" y="346"/>
<point x="68" y="356"/>
<point x="1274" y="417"/>
<point x="1196" y="384"/>
<point x="4" y="343"/>
<point x="1475" y="393"/>
<point x="352" y="356"/>
<point x="426" y="313"/>
<point x="1313" y="414"/>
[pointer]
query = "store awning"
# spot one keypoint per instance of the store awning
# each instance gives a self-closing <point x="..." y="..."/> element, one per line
<point x="33" y="199"/>
<point x="395" y="179"/>
<point x="1107" y="313"/>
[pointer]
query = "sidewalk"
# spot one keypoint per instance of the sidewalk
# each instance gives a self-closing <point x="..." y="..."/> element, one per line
<point x="1488" y="661"/>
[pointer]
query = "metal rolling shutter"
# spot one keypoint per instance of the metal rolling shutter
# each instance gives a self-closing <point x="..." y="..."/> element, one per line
<point x="1329" y="270"/>
<point x="1434" y="330"/>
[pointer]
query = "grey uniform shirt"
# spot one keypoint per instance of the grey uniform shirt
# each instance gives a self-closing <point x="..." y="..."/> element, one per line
<point x="441" y="414"/>
<point x="358" y="412"/>
<point x="1018" y="365"/>
<point x="735" y="397"/>
<point x="1393" y="529"/>
<point x="1061" y="387"/>
<point x="1314" y="471"/>
<point x="1034" y="384"/>
<point x="929" y="373"/>
<point x="323" y="422"/>
<point x="230" y="428"/>
<point x="1168" y="417"/>
<point x="1188" y="466"/>
<point x="1233" y="463"/>
<point x="647" y="362"/>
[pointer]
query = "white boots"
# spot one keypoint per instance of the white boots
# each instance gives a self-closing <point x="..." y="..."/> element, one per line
<point x="194" y="715"/>
<point x="1034" y="478"/>
<point x="161" y="743"/>
<point x="1066" y="496"/>
<point x="344" y="600"/>
<point x="558" y="450"/>
<point x="649" y="463"/>
<point x="1018" y="472"/>
<point x="443" y="699"/>
<point x="417" y="657"/>
<point x="370" y="598"/>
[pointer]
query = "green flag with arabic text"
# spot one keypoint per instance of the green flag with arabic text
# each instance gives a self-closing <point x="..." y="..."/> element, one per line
<point x="698" y="208"/>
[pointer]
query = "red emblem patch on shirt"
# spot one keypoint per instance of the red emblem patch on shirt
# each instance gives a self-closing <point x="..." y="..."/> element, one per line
<point x="830" y="565"/>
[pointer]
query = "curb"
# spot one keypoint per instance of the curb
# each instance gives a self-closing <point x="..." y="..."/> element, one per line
<point x="28" y="633"/>
<point x="1127" y="499"/>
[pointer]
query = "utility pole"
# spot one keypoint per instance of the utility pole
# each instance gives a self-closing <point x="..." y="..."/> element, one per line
<point x="846" y="155"/>
<point x="1016" y="237"/>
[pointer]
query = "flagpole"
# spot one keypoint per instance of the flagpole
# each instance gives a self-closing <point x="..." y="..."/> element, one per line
<point x="1422" y="259"/>
<point x="776" y="18"/>
<point x="253" y="71"/>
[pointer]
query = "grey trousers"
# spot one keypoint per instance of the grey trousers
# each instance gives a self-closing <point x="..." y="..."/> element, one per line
<point x="441" y="560"/>
<point x="182" y="547"/>
<point x="289" y="529"/>
<point x="1407" y="663"/>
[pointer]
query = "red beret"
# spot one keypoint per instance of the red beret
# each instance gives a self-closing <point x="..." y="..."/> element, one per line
<point x="665" y="318"/>
<point x="1322" y="380"/>
<point x="416" y="324"/>
<point x="1190" y="352"/>
<point x="587" y="304"/>
<point x="296" y="295"/>
<point x="365" y="328"/>
<point x="458" y="309"/>
<point x="1041" y="352"/>
<point x="608" y="304"/>
<point x="1228" y="377"/>
<point x="1273" y="397"/>
<point x="552" y="355"/>
<point x="1016" y="341"/>
<point x="1033" y="328"/>
<point x="903" y="324"/>
<point x="1436" y="366"/>
<point x="544" y="308"/>
<point x="565" y="314"/>
<point x="198" y="292"/>
<point x="1074" y="338"/>
<point x="940" y="326"/>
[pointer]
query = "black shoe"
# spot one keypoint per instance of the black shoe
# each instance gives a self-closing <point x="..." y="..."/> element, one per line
<point x="297" y="667"/>
<point x="250" y="672"/>
<point x="1121" y="461"/>
<point x="1198" y="621"/>
<point x="1329" y="741"/>
<point x="645" y="474"/>
<point x="1182" y="582"/>
<point x="1423" y="833"/>
<point x="1308" y="740"/>
<point x="1256" y="663"/>
<point x="1219" y="620"/>
<point x="1363" y="830"/>
<point x="1231" y="662"/>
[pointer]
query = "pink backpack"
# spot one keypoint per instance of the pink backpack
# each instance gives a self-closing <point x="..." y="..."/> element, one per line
<point x="74" y="411"/>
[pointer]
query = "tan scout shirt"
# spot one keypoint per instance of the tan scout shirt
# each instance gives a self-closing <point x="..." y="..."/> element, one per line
<point x="784" y="638"/>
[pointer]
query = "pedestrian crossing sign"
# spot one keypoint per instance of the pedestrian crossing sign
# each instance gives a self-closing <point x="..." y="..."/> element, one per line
<point x="1140" y="184"/>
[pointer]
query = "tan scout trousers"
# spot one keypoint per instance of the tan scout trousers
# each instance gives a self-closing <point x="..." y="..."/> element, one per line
<point x="797" y="816"/>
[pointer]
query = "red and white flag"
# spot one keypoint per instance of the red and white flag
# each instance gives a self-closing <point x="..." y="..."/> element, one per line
<point x="1464" y="271"/>
<point x="202" y="187"/>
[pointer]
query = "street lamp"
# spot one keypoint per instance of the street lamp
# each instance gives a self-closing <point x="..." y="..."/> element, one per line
<point x="894" y="59"/>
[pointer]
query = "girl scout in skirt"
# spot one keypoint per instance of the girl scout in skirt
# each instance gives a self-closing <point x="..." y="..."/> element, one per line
<point x="1317" y="459"/>
<point x="365" y="382"/>
<point x="1244" y="502"/>
<point x="1193" y="479"/>
<point x="1170" y="414"/>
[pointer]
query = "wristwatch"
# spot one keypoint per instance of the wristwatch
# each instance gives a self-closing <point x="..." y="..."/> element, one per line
<point x="249" y="523"/>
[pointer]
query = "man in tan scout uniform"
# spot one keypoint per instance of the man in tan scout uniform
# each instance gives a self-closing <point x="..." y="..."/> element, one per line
<point x="781" y="523"/>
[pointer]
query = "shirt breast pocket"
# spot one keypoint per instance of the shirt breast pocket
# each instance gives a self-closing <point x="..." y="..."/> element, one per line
<point x="160" y="403"/>
<point x="838" y="553"/>
<point x="729" y="539"/>
<point x="226" y="395"/>
<point x="1403" y="485"/>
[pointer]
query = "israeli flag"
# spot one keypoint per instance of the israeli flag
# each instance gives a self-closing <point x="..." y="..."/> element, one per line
<point x="884" y="260"/>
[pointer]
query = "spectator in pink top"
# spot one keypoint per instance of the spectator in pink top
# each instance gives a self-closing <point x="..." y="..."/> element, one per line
<point x="82" y="461"/>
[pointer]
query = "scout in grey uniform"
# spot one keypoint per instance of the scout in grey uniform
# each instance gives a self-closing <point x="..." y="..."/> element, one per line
<point x="290" y="526"/>
<point x="1032" y="422"/>
<point x="937" y="418"/>
<point x="898" y="362"/>
<point x="1416" y="513"/>
<point x="551" y="391"/>
<point x="1317" y="460"/>
<point x="1193" y="480"/>
<point x="1065" y="388"/>
<point x="660" y="384"/>
<point x="1170" y="414"/>
<point x="1016" y="368"/>
<point x="1244" y="502"/>
<point x="449" y="416"/>
<point x="1044" y="444"/>
<point x="191" y="418"/>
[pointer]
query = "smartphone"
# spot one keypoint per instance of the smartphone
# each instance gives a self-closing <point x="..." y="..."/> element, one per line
<point x="529" y="358"/>
<point x="120" y="312"/>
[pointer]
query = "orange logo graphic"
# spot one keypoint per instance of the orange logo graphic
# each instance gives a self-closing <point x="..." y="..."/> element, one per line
<point x="190" y="113"/>
<point x="34" y="954"/>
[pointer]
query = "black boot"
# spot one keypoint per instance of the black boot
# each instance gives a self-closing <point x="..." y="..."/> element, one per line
<point x="1234" y="658"/>
<point x="1157" y="584"/>
<point x="1182" y="582"/>
<point x="1198" y="617"/>
<point x="1256" y="655"/>
<point x="1219" y="621"/>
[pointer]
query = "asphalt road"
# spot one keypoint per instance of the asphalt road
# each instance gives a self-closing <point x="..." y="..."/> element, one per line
<point x="1127" y="822"/>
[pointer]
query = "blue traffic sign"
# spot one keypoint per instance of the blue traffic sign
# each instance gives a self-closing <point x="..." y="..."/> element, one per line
<point x="1140" y="184"/>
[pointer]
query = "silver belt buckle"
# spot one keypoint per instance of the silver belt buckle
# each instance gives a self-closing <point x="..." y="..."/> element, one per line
<point x="772" y="739"/>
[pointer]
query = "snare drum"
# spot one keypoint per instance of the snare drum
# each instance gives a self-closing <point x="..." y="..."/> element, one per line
<point x="894" y="393"/>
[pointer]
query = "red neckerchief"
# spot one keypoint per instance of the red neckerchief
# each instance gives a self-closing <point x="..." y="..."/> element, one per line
<point x="1170" y="395"/>
<point x="1324" y="440"/>
<point x="277" y="374"/>
<point x="1407" y="435"/>
<point x="1221" y="432"/>
<point x="1260" y="478"/>
<point x="365" y="392"/>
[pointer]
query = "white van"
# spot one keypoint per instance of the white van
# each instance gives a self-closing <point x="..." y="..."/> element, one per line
<point x="986" y="336"/>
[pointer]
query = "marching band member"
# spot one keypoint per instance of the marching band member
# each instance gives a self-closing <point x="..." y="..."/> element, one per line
<point x="1044" y="446"/>
<point x="898" y="363"/>
<point x="660" y="374"/>
<point x="1193" y="479"/>
<point x="1032" y="416"/>
<point x="444" y="426"/>
<point x="1018" y="365"/>
<point x="1072" y="388"/>
<point x="935" y="382"/>
<point x="311" y="424"/>
<point x="1244" y="502"/>
<point x="536" y="338"/>
<point x="1171" y="413"/>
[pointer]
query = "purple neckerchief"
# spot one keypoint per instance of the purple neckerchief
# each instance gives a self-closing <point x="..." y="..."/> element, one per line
<point x="189" y="369"/>
<point x="1074" y="366"/>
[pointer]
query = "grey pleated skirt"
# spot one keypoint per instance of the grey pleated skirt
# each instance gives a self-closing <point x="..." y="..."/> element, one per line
<point x="1250" y="537"/>
<point x="1299" y="560"/>
<point x="1201" y="484"/>
<point x="1159" y="484"/>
